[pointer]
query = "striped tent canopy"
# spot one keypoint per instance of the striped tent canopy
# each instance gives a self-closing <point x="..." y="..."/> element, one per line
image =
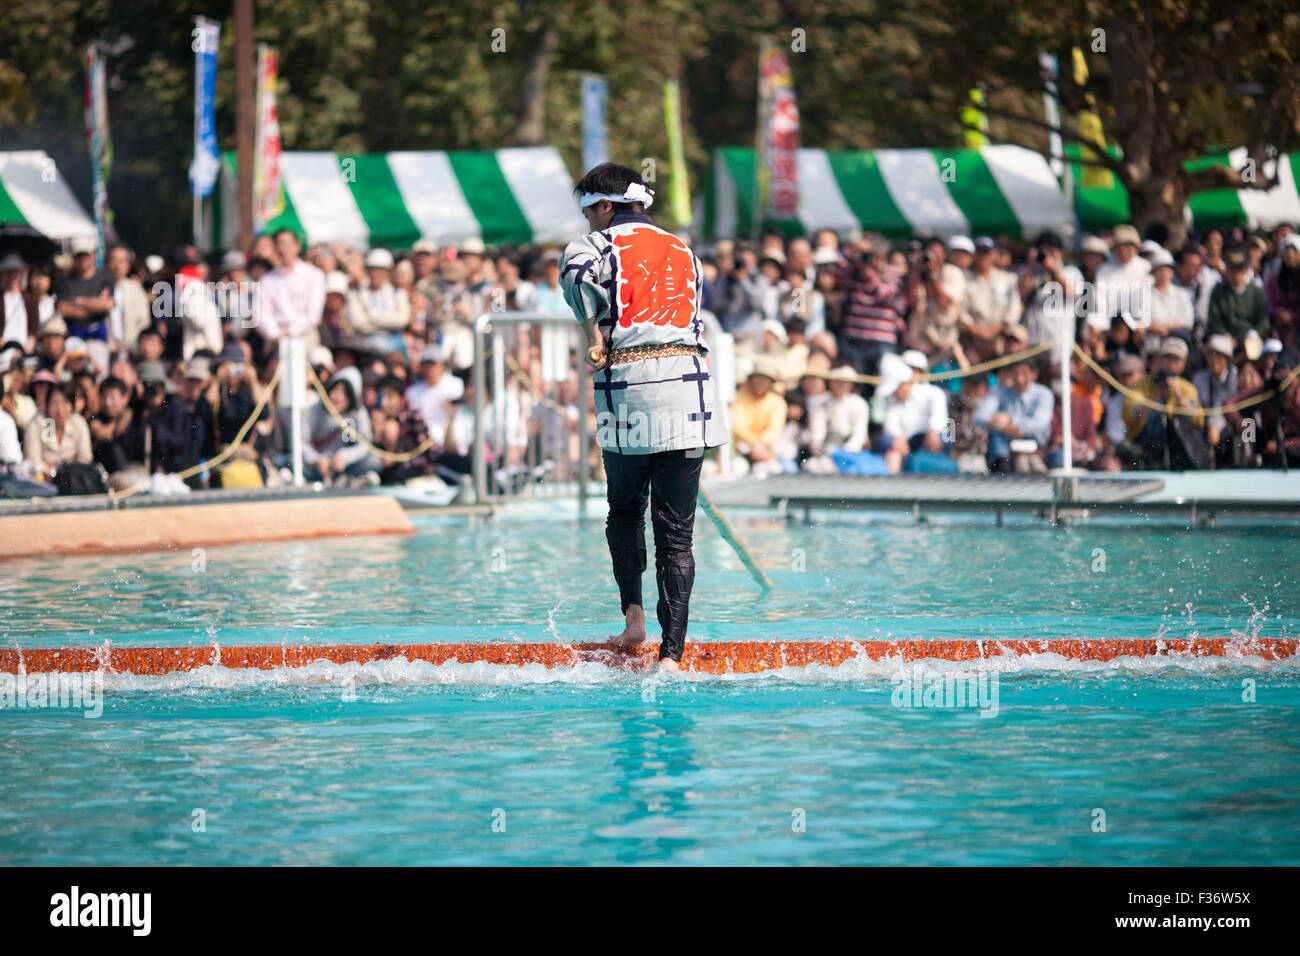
<point x="1102" y="202"/>
<point x="1004" y="190"/>
<point x="394" y="199"/>
<point x="34" y="193"/>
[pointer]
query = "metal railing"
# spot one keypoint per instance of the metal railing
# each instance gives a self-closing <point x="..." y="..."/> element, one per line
<point x="529" y="477"/>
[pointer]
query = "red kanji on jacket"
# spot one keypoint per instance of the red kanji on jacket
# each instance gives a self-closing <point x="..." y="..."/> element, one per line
<point x="656" y="278"/>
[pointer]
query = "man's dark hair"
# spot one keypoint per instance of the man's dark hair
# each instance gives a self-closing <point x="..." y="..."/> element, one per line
<point x="149" y="331"/>
<point x="391" y="383"/>
<point x="609" y="178"/>
<point x="296" y="238"/>
<point x="114" y="384"/>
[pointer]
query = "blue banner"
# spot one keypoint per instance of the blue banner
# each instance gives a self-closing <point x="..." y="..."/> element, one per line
<point x="207" y="159"/>
<point x="595" y="145"/>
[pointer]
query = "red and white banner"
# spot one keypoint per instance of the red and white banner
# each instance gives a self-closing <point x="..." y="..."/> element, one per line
<point x="780" y="140"/>
<point x="267" y="200"/>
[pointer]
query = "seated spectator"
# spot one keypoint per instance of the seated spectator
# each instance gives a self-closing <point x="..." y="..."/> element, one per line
<point x="117" y="434"/>
<point x="1283" y="292"/>
<point x="232" y="394"/>
<point x="1171" y="307"/>
<point x="758" y="416"/>
<point x="15" y="471"/>
<point x="1156" y="439"/>
<point x="378" y="310"/>
<point x="332" y="453"/>
<point x="1019" y="412"/>
<point x="1268" y="437"/>
<point x="399" y="429"/>
<point x="793" y="447"/>
<point x="1215" y="384"/>
<point x="60" y="436"/>
<point x="1238" y="306"/>
<point x="1086" y="446"/>
<point x="990" y="304"/>
<point x="183" y="423"/>
<point x="435" y="389"/>
<point x="916" y="416"/>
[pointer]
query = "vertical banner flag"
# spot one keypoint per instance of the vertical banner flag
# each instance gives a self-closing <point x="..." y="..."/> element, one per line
<point x="267" y="199"/>
<point x="778" y="136"/>
<point x="1047" y="63"/>
<point x="595" y="145"/>
<point x="975" y="120"/>
<point x="101" y="150"/>
<point x="207" y="159"/>
<point x="680" y="188"/>
<point x="1092" y="177"/>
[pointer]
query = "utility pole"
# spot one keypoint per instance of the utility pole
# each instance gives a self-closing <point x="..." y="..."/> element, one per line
<point x="244" y="116"/>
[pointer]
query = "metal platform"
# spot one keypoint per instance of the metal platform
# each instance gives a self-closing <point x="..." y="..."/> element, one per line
<point x="1053" y="497"/>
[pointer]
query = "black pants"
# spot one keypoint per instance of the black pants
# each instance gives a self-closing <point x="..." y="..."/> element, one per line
<point x="671" y="481"/>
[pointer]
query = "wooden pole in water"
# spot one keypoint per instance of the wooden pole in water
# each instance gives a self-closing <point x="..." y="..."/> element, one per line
<point x="729" y="535"/>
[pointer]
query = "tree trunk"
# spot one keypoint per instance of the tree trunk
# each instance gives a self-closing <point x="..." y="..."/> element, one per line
<point x="531" y="125"/>
<point x="1160" y="199"/>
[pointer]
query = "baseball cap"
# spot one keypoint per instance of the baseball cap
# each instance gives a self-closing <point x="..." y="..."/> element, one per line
<point x="985" y="244"/>
<point x="233" y="260"/>
<point x="1271" y="347"/>
<point x="1173" y="346"/>
<point x="1223" y="344"/>
<point x="82" y="246"/>
<point x="1252" y="345"/>
<point x="777" y="329"/>
<point x="1126" y="235"/>
<point x="1150" y="247"/>
<point x="1161" y="258"/>
<point x="1236" y="258"/>
<point x="319" y="355"/>
<point x="1130" y="365"/>
<point x="336" y="282"/>
<point x="379" y="259"/>
<point x="1292" y="241"/>
<point x="765" y="367"/>
<point x="433" y="353"/>
<point x="425" y="246"/>
<point x="197" y="368"/>
<point x="53" y="326"/>
<point x="74" y="346"/>
<point x="1095" y="244"/>
<point x="916" y="359"/>
<point x="473" y="246"/>
<point x="961" y="244"/>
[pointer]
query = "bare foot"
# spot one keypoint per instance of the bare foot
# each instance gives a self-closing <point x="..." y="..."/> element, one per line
<point x="634" y="630"/>
<point x="668" y="664"/>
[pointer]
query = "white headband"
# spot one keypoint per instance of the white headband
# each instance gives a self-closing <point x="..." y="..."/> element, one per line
<point x="635" y="192"/>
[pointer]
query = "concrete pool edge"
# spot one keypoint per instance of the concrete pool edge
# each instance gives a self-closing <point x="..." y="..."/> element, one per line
<point x="715" y="657"/>
<point x="180" y="527"/>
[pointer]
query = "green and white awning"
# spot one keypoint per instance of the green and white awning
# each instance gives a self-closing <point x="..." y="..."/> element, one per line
<point x="1005" y="190"/>
<point x="34" y="193"/>
<point x="394" y="199"/>
<point x="1252" y="209"/>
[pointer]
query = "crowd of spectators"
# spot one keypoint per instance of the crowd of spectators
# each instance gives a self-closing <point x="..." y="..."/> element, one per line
<point x="866" y="357"/>
<point x="150" y="368"/>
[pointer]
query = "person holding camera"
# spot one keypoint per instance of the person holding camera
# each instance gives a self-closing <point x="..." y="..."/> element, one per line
<point x="936" y="288"/>
<point x="1161" y="439"/>
<point x="1048" y="288"/>
<point x="875" y="304"/>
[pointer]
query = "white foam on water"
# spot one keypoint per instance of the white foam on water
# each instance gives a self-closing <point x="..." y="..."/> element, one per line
<point x="400" y="672"/>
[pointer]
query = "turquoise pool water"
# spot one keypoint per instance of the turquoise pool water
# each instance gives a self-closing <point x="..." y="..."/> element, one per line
<point x="401" y="763"/>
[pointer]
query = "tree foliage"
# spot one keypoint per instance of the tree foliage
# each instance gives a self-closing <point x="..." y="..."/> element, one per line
<point x="1177" y="77"/>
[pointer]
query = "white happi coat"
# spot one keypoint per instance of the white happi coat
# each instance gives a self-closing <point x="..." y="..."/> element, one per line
<point x="642" y="286"/>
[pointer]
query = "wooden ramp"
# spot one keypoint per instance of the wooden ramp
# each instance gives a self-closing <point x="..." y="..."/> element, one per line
<point x="712" y="657"/>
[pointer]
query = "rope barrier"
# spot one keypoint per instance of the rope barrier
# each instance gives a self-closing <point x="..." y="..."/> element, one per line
<point x="380" y="453"/>
<point x="1169" y="409"/>
<point x="1002" y="360"/>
